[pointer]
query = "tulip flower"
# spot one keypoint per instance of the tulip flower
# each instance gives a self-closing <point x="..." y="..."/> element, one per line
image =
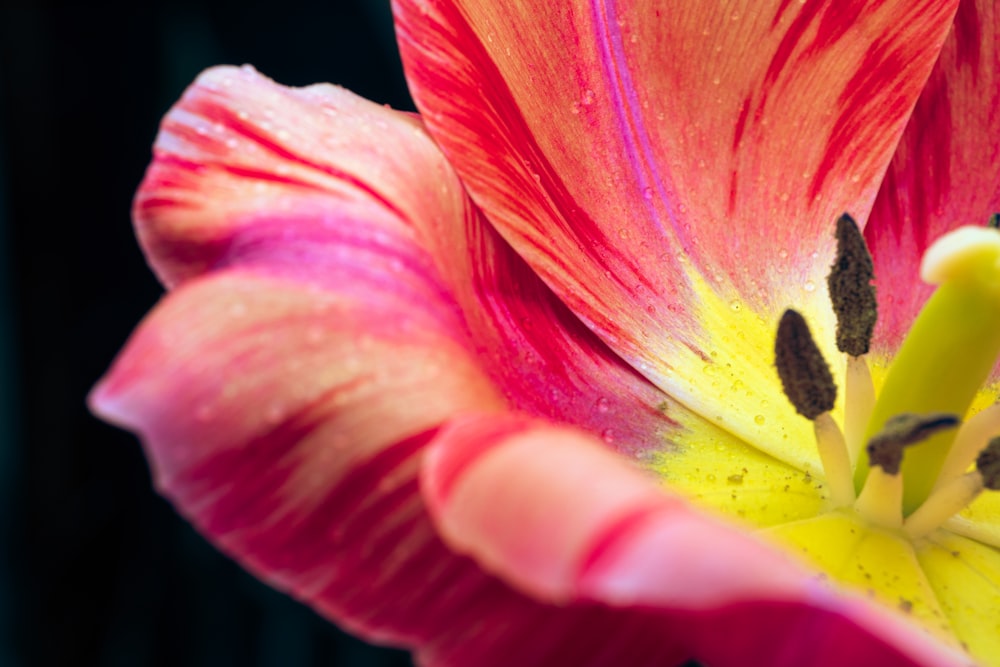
<point x="559" y="372"/>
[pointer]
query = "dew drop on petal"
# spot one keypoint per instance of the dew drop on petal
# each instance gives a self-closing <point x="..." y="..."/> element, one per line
<point x="602" y="405"/>
<point x="608" y="435"/>
<point x="810" y="286"/>
<point x="759" y="420"/>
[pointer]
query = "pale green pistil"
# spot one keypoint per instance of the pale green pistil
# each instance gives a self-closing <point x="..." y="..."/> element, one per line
<point x="947" y="355"/>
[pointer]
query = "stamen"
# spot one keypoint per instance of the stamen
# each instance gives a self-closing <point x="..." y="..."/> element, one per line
<point x="885" y="450"/>
<point x="860" y="401"/>
<point x="851" y="289"/>
<point x="854" y="302"/>
<point x="954" y="496"/>
<point x="805" y="377"/>
<point x="808" y="383"/>
<point x="994" y="221"/>
<point x="881" y="499"/>
<point x="836" y="462"/>
<point x="968" y="442"/>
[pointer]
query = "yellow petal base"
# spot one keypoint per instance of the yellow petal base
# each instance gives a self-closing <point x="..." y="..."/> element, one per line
<point x="947" y="583"/>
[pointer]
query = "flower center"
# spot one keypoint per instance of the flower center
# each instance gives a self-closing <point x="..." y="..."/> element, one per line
<point x="898" y="506"/>
<point x="918" y="467"/>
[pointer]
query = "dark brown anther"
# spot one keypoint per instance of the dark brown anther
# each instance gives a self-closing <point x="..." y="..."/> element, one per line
<point x="804" y="374"/>
<point x="988" y="465"/>
<point x="851" y="289"/>
<point x="885" y="449"/>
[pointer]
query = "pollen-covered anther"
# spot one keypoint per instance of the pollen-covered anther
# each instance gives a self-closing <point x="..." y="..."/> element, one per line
<point x="988" y="465"/>
<point x="809" y="386"/>
<point x="881" y="499"/>
<point x="805" y="376"/>
<point x="851" y="289"/>
<point x="952" y="497"/>
<point x="885" y="449"/>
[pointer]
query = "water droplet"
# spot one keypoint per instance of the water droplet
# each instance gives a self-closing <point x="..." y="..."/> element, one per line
<point x="810" y="286"/>
<point x="759" y="420"/>
<point x="734" y="305"/>
<point x="710" y="477"/>
<point x="782" y="254"/>
<point x="588" y="97"/>
<point x="608" y="435"/>
<point x="647" y="193"/>
<point x="602" y="405"/>
<point x="575" y="109"/>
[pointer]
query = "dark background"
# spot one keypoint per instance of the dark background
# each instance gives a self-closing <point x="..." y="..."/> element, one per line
<point x="95" y="569"/>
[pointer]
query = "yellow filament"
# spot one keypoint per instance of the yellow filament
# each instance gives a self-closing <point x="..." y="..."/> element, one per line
<point x="947" y="501"/>
<point x="836" y="462"/>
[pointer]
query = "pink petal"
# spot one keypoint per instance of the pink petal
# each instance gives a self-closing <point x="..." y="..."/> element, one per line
<point x="287" y="424"/>
<point x="248" y="171"/>
<point x="333" y="304"/>
<point x="577" y="526"/>
<point x="946" y="171"/>
<point x="662" y="167"/>
<point x="317" y="494"/>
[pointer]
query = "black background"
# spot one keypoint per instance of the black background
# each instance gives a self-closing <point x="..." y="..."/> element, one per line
<point x="95" y="569"/>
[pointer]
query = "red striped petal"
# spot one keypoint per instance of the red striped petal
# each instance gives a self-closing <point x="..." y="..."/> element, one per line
<point x="663" y="167"/>
<point x="946" y="171"/>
